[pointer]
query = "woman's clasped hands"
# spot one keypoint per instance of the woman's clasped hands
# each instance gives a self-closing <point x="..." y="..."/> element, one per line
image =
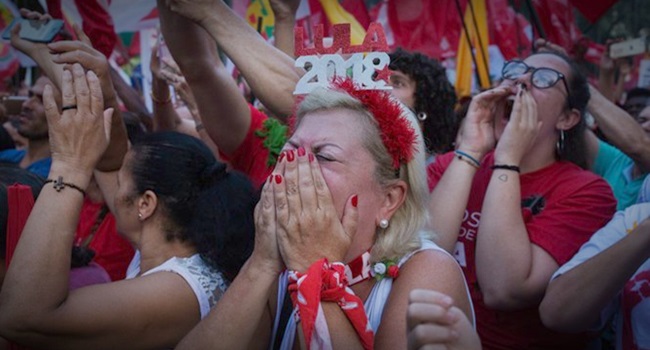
<point x="297" y="204"/>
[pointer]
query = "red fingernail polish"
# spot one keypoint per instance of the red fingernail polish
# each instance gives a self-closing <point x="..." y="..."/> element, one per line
<point x="270" y="178"/>
<point x="281" y="157"/>
<point x="301" y="151"/>
<point x="278" y="179"/>
<point x="290" y="156"/>
<point x="311" y="157"/>
<point x="355" y="200"/>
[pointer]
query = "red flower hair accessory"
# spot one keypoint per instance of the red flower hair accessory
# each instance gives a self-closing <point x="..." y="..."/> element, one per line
<point x="396" y="132"/>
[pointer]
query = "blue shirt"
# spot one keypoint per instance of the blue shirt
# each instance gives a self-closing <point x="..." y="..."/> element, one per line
<point x="15" y="156"/>
<point x="616" y="168"/>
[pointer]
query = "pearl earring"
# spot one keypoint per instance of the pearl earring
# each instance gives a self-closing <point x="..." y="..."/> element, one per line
<point x="140" y="216"/>
<point x="383" y="223"/>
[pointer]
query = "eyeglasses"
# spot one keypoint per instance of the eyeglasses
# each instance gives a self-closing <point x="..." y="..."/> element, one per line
<point x="541" y="78"/>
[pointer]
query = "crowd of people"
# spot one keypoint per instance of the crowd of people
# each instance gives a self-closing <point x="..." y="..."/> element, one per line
<point x="345" y="218"/>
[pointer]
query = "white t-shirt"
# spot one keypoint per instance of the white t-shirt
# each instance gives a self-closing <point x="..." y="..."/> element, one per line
<point x="207" y="283"/>
<point x="631" y="307"/>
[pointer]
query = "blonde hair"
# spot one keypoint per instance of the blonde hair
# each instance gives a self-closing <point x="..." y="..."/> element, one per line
<point x="406" y="228"/>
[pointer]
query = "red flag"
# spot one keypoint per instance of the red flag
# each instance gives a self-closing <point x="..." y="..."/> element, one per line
<point x="556" y="17"/>
<point x="97" y="23"/>
<point x="593" y="10"/>
<point x="507" y="29"/>
<point x="21" y="202"/>
<point x="428" y="26"/>
<point x="357" y="8"/>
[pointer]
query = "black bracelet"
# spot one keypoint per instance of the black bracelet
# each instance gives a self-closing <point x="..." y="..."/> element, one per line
<point x="59" y="185"/>
<point x="506" y="167"/>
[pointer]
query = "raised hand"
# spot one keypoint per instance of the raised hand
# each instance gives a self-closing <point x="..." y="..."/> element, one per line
<point x="478" y="128"/>
<point x="434" y="323"/>
<point x="81" y="51"/>
<point x="521" y="130"/>
<point x="309" y="227"/>
<point x="80" y="134"/>
<point x="284" y="8"/>
<point x="27" y="47"/>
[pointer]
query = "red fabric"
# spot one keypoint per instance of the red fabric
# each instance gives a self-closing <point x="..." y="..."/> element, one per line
<point x="112" y="251"/>
<point x="556" y="17"/>
<point x="576" y="204"/>
<point x="97" y="23"/>
<point x="21" y="202"/>
<point x="327" y="282"/>
<point x="593" y="10"/>
<point x="507" y="29"/>
<point x="431" y="27"/>
<point x="635" y="292"/>
<point x="251" y="156"/>
<point x="357" y="8"/>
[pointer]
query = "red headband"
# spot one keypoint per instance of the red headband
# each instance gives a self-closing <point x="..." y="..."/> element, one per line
<point x="396" y="132"/>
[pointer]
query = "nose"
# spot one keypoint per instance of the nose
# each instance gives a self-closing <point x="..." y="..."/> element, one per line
<point x="525" y="79"/>
<point x="27" y="105"/>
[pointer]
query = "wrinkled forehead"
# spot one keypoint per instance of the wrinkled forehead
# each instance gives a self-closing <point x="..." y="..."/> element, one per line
<point x="546" y="60"/>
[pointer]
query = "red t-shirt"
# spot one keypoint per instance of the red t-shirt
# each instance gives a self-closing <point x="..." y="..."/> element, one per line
<point x="112" y="251"/>
<point x="562" y="206"/>
<point x="252" y="157"/>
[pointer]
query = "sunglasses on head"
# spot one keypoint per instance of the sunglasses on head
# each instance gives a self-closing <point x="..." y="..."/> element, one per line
<point x="541" y="78"/>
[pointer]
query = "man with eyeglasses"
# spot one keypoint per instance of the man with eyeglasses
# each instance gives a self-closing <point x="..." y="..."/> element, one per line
<point x="513" y="204"/>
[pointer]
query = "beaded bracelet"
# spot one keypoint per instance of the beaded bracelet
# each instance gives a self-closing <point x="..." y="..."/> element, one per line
<point x="59" y="185"/>
<point x="506" y="167"/>
<point x="468" y="159"/>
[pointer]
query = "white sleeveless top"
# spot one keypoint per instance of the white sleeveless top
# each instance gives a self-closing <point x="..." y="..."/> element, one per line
<point x="374" y="304"/>
<point x="207" y="283"/>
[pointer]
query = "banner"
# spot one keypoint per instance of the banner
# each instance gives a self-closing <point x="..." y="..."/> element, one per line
<point x="8" y="57"/>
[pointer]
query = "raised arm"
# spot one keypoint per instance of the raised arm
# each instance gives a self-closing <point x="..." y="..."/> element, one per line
<point x="604" y="268"/>
<point x="37" y="281"/>
<point x="450" y="195"/>
<point x="513" y="272"/>
<point x="285" y="21"/>
<point x="225" y="113"/>
<point x="269" y="71"/>
<point x="621" y="130"/>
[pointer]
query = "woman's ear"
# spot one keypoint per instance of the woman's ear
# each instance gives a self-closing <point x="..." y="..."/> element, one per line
<point x="394" y="196"/>
<point x="147" y="204"/>
<point x="568" y="120"/>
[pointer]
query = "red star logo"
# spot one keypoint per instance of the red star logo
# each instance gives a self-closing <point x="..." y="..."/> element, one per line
<point x="384" y="74"/>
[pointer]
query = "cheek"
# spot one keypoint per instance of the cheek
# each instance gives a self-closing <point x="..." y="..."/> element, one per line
<point x="339" y="188"/>
<point x="405" y="96"/>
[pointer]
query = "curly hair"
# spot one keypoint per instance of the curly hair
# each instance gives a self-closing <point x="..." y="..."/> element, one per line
<point x="434" y="95"/>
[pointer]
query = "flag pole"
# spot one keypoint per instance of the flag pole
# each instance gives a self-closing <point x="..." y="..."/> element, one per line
<point x="480" y="43"/>
<point x="469" y="41"/>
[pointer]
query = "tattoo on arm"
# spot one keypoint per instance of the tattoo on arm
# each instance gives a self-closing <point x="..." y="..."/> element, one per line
<point x="503" y="177"/>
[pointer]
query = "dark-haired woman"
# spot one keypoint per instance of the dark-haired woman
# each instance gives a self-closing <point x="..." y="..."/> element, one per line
<point x="513" y="214"/>
<point x="173" y="201"/>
